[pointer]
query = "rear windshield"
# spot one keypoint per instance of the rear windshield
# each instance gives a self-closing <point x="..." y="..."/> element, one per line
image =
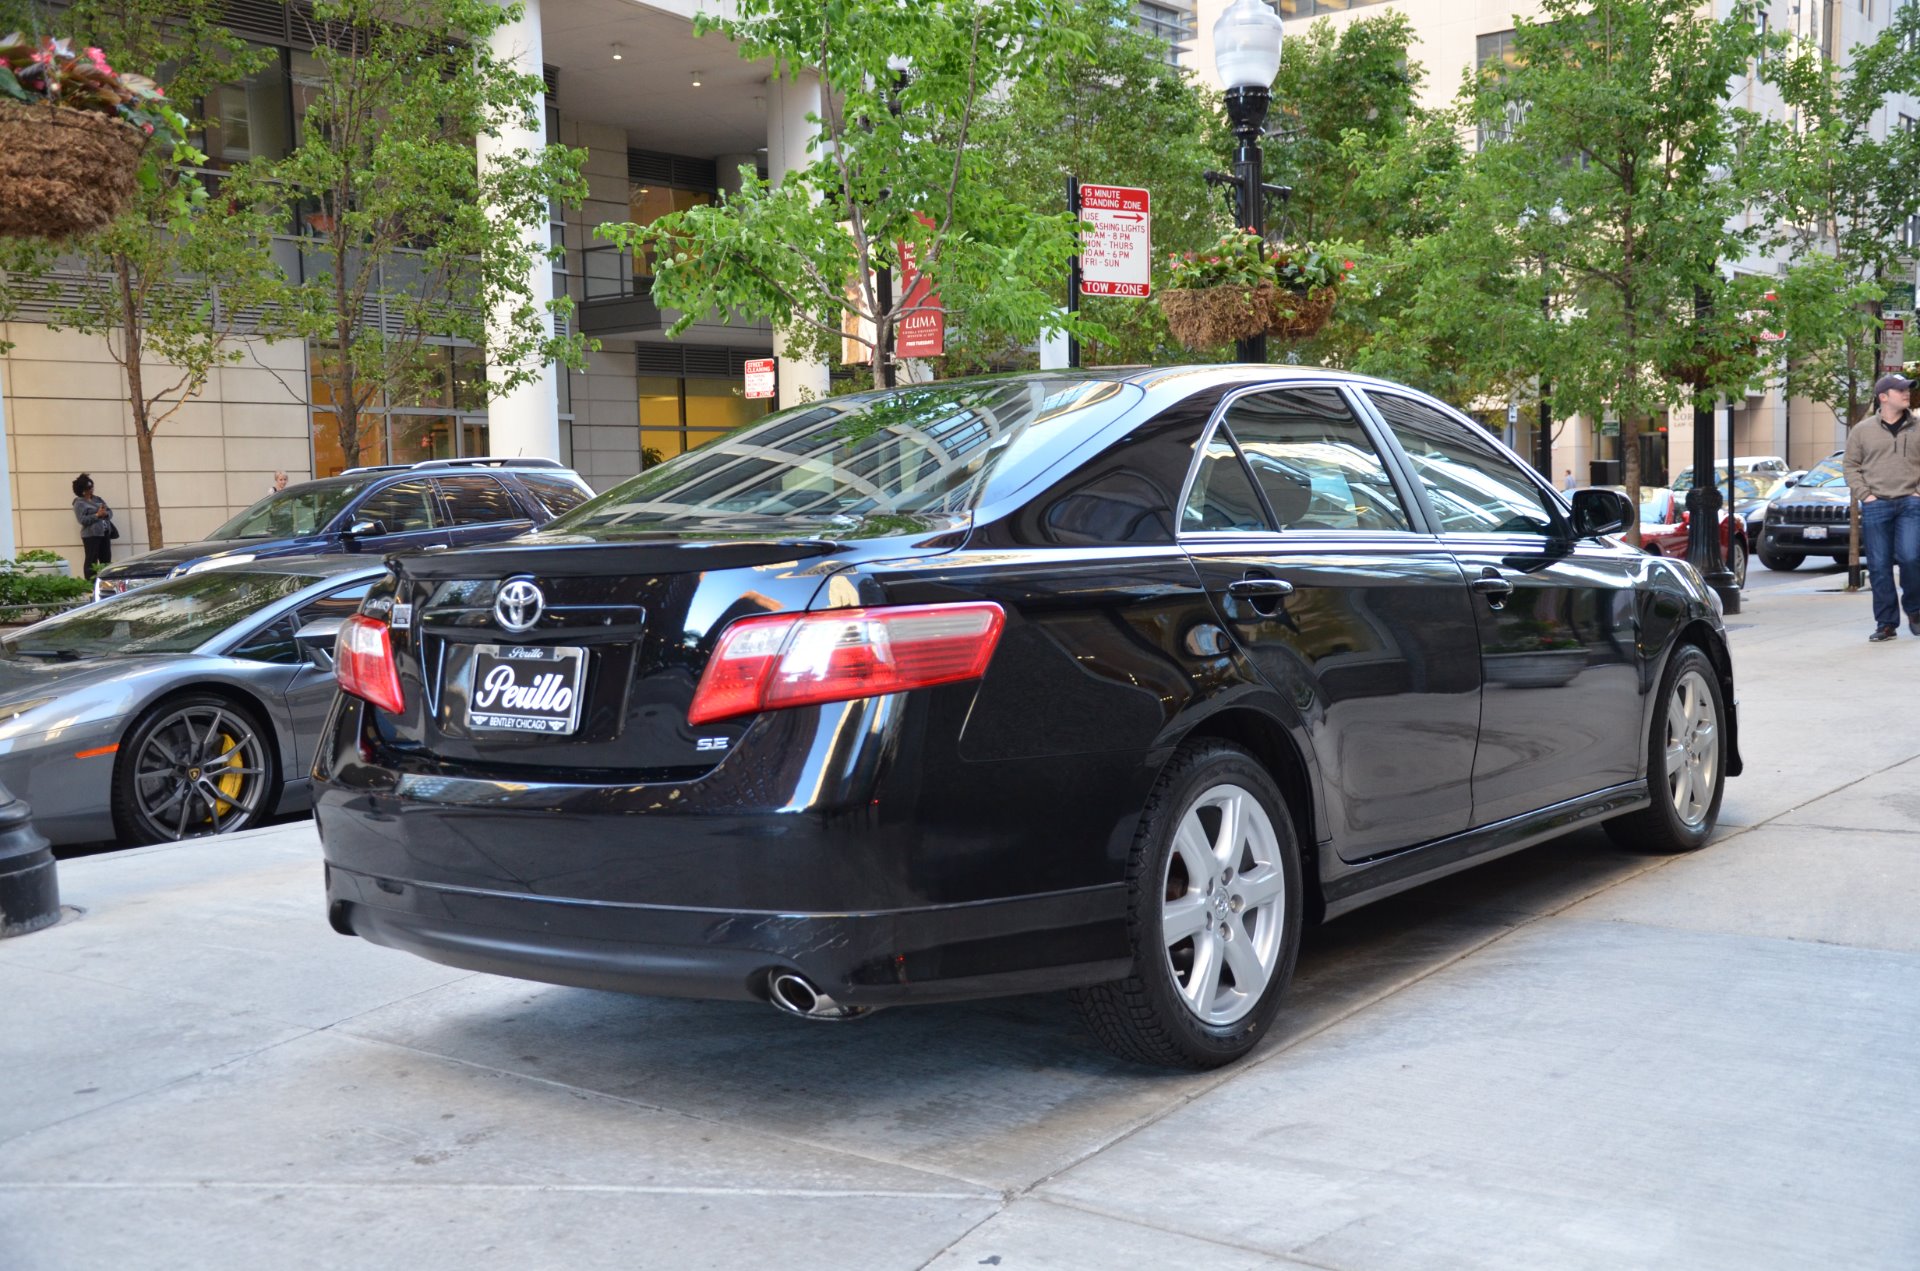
<point x="925" y="449"/>
<point x="296" y="510"/>
<point x="176" y="616"/>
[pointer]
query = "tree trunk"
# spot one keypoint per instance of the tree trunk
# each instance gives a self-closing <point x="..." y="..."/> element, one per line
<point x="130" y="318"/>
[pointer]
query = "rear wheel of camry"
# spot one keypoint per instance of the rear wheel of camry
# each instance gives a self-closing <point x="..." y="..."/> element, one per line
<point x="1686" y="761"/>
<point x="1214" y="915"/>
<point x="1737" y="564"/>
<point x="192" y="766"/>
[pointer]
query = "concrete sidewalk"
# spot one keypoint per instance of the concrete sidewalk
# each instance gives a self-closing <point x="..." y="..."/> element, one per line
<point x="1570" y="1058"/>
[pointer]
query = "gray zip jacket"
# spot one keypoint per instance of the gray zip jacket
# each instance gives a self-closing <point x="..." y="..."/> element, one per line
<point x="86" y="510"/>
<point x="1883" y="461"/>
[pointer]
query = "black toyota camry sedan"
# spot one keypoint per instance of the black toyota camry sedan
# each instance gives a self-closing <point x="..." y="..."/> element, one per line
<point x="1105" y="681"/>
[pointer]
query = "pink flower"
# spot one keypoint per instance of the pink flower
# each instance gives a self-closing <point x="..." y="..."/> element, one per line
<point x="1213" y="260"/>
<point x="99" y="59"/>
<point x="1346" y="264"/>
<point x="147" y="128"/>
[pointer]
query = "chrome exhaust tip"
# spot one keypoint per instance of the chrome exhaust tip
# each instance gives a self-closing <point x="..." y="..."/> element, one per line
<point x="794" y="994"/>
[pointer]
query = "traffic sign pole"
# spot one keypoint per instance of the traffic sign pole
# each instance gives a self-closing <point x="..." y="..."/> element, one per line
<point x="1073" y="277"/>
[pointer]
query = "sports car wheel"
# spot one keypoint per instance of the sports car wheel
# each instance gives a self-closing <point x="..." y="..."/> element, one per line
<point x="193" y="766"/>
<point x="1686" y="762"/>
<point x="1214" y="901"/>
<point x="1737" y="565"/>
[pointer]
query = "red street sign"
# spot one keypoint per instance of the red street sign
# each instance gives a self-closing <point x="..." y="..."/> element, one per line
<point x="1116" y="256"/>
<point x="922" y="333"/>
<point x="1893" y="344"/>
<point x="760" y="377"/>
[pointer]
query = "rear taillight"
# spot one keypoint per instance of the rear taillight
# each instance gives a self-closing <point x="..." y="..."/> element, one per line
<point x="803" y="659"/>
<point x="363" y="663"/>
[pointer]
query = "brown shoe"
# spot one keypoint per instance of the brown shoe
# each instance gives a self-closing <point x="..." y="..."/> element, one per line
<point x="1883" y="633"/>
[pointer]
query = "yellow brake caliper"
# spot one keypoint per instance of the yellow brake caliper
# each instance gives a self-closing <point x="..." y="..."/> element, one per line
<point x="228" y="784"/>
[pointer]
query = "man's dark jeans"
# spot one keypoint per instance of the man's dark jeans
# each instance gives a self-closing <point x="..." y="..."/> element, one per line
<point x="1890" y="534"/>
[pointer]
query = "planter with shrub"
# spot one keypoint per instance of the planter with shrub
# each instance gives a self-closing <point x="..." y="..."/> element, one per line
<point x="1241" y="287"/>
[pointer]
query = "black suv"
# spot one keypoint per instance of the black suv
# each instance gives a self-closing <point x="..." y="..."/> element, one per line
<point x="1810" y="519"/>
<point x="400" y="507"/>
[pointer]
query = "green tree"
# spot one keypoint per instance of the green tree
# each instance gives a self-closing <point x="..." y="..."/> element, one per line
<point x="1842" y="188"/>
<point x="897" y="162"/>
<point x="1118" y="114"/>
<point x="1611" y="174"/>
<point x="1364" y="159"/>
<point x="168" y="284"/>
<point x="400" y="217"/>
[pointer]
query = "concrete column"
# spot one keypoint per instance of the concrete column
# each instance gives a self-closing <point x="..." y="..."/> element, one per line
<point x="789" y="130"/>
<point x="525" y="422"/>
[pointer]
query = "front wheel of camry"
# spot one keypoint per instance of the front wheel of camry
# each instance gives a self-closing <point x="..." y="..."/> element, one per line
<point x="1214" y="915"/>
<point x="1686" y="761"/>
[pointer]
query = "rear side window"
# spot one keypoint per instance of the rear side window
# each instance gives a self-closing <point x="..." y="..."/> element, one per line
<point x="1314" y="462"/>
<point x="478" y="501"/>
<point x="401" y="507"/>
<point x="555" y="494"/>
<point x="1474" y="488"/>
<point x="1222" y="498"/>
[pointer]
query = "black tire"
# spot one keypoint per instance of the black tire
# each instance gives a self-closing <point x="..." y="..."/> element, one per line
<point x="1779" y="560"/>
<point x="1662" y="827"/>
<point x="1737" y="564"/>
<point x="237" y="749"/>
<point x="1144" y="1017"/>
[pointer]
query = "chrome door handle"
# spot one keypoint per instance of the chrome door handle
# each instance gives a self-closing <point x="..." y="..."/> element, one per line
<point x="1260" y="589"/>
<point x="1495" y="588"/>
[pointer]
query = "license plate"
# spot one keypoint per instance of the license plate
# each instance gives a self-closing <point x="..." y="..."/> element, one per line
<point x="520" y="688"/>
<point x="1815" y="531"/>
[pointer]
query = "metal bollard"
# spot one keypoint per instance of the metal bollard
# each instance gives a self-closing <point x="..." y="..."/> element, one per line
<point x="29" y="883"/>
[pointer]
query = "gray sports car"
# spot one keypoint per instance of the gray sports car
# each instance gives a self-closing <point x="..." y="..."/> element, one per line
<point x="186" y="708"/>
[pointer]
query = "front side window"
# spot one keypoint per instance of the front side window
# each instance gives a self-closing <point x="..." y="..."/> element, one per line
<point x="1314" y="461"/>
<point x="1474" y="488"/>
<point x="402" y="507"/>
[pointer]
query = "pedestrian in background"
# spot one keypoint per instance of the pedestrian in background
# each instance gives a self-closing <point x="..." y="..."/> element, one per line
<point x="97" y="530"/>
<point x="279" y="482"/>
<point x="1566" y="482"/>
<point x="1883" y="471"/>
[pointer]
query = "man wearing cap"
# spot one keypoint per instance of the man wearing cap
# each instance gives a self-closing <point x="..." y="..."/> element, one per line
<point x="1883" y="471"/>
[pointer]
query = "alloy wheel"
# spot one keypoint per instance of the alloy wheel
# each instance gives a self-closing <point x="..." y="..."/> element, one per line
<point x="1693" y="749"/>
<point x="201" y="770"/>
<point x="1223" y="904"/>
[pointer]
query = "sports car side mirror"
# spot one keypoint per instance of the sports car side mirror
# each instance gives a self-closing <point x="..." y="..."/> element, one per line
<point x="316" y="640"/>
<point x="1600" y="512"/>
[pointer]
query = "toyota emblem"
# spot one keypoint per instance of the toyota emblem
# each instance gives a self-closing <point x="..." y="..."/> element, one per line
<point x="518" y="605"/>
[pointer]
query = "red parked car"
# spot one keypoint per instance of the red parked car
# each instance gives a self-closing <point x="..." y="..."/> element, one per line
<point x="1663" y="530"/>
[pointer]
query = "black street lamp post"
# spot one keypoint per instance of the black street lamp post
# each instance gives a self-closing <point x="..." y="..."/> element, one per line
<point x="1246" y="53"/>
<point x="1703" y="500"/>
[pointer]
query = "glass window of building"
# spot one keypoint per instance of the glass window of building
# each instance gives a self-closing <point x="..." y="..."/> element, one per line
<point x="440" y="413"/>
<point x="249" y="119"/>
<point x="680" y="413"/>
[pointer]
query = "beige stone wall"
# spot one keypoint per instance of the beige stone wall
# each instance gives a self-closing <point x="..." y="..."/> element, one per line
<point x="67" y="412"/>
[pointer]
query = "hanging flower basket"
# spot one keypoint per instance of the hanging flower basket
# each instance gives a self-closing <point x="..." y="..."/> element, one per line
<point x="1299" y="315"/>
<point x="1207" y="317"/>
<point x="63" y="172"/>
<point x="72" y="134"/>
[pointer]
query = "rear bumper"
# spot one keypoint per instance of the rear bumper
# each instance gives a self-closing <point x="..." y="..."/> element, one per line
<point x="937" y="953"/>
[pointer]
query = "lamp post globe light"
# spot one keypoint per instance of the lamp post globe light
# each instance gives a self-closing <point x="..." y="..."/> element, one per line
<point x="1246" y="54"/>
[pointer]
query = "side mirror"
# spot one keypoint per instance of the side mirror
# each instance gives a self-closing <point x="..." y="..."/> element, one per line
<point x="1790" y="483"/>
<point x="316" y="640"/>
<point x="367" y="527"/>
<point x="1600" y="512"/>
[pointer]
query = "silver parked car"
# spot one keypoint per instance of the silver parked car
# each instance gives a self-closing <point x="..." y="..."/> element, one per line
<point x="186" y="708"/>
